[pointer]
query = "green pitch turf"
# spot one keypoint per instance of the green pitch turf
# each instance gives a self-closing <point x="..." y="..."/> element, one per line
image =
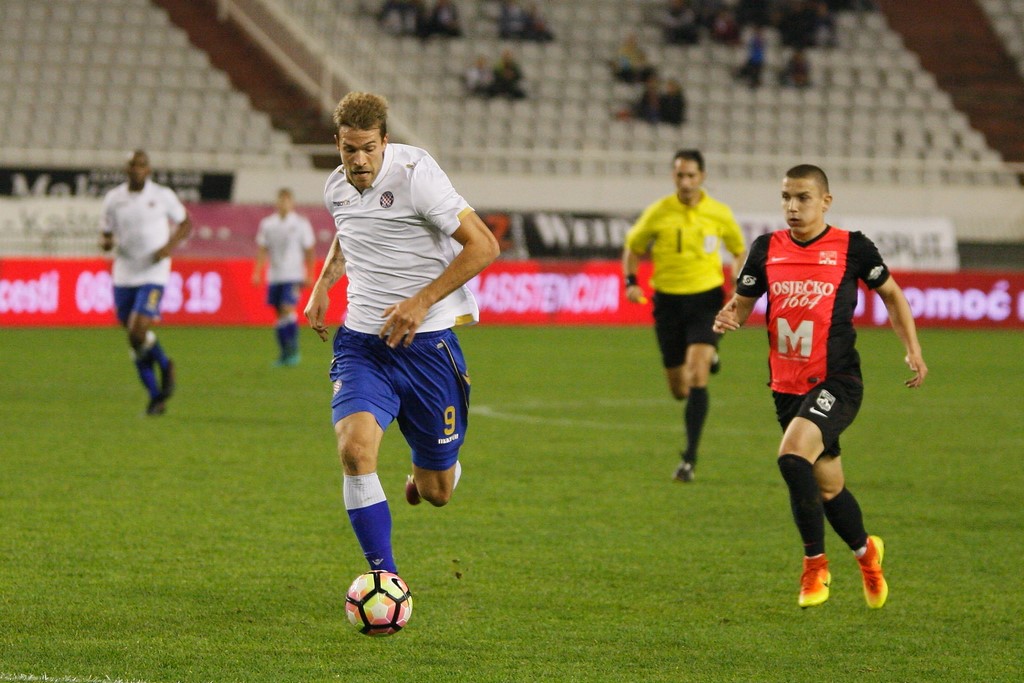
<point x="212" y="545"/>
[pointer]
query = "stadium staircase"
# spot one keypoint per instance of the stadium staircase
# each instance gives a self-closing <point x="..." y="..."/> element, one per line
<point x="251" y="71"/>
<point x="957" y="42"/>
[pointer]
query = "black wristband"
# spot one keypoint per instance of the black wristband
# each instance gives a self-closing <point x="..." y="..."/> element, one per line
<point x="631" y="280"/>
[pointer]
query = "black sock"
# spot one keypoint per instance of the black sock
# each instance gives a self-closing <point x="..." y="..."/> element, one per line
<point x="843" y="513"/>
<point x="694" y="415"/>
<point x="805" y="501"/>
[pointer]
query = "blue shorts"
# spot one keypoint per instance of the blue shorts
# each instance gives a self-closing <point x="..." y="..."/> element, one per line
<point x="283" y="294"/>
<point x="144" y="300"/>
<point x="424" y="385"/>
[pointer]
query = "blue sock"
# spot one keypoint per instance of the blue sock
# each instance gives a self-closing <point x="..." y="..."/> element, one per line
<point x="145" y="367"/>
<point x="291" y="336"/>
<point x="370" y="516"/>
<point x="156" y="352"/>
<point x="281" y="332"/>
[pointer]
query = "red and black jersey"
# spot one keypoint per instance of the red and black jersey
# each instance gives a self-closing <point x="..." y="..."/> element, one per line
<point x="812" y="294"/>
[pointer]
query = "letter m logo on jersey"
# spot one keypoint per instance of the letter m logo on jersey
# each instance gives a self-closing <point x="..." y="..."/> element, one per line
<point x="795" y="342"/>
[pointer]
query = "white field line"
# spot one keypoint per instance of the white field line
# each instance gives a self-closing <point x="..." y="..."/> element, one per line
<point x="488" y="411"/>
<point x="43" y="678"/>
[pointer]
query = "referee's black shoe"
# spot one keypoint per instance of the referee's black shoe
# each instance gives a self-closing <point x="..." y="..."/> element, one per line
<point x="716" y="364"/>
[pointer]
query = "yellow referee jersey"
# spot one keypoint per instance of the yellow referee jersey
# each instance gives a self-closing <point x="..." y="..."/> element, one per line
<point x="685" y="243"/>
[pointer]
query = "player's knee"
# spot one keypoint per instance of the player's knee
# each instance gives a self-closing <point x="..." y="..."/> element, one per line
<point x="356" y="457"/>
<point x="438" y="498"/>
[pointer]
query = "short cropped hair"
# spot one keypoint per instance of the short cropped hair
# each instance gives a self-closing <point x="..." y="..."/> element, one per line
<point x="809" y="171"/>
<point x="362" y="111"/>
<point x="690" y="155"/>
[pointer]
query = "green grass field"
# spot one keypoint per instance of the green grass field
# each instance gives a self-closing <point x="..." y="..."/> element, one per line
<point x="212" y="545"/>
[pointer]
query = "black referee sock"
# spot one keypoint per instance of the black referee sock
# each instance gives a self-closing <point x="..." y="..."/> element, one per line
<point x="805" y="501"/>
<point x="694" y="414"/>
<point x="843" y="513"/>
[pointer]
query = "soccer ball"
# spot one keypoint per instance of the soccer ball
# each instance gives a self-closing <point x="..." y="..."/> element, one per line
<point x="378" y="603"/>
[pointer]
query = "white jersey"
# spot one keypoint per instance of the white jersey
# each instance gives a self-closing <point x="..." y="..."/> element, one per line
<point x="396" y="239"/>
<point x="286" y="241"/>
<point x="140" y="224"/>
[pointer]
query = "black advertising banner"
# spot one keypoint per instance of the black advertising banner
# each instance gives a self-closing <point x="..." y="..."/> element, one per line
<point x="560" y="235"/>
<point x="190" y="186"/>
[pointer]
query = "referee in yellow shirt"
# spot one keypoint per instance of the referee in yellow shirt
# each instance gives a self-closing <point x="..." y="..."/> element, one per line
<point x="684" y="233"/>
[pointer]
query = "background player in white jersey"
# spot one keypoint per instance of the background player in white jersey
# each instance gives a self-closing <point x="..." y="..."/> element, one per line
<point x="409" y="243"/>
<point x="136" y="223"/>
<point x="285" y="239"/>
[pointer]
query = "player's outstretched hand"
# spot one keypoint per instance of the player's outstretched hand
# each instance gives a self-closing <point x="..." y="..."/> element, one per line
<point x="726" y="320"/>
<point x="635" y="294"/>
<point x="316" y="312"/>
<point x="916" y="363"/>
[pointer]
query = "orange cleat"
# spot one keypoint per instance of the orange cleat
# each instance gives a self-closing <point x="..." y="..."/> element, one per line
<point x="876" y="590"/>
<point x="412" y="494"/>
<point x="814" y="582"/>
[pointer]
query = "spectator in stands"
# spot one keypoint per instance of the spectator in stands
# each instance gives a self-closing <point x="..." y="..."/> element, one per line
<point x="479" y="77"/>
<point x="797" y="71"/>
<point x="537" y="28"/>
<point x="680" y="23"/>
<point x="401" y="17"/>
<point x="443" y="21"/>
<point x="513" y="20"/>
<point x="707" y="10"/>
<point x="136" y="224"/>
<point x="753" y="67"/>
<point x="672" y="104"/>
<point x="797" y="24"/>
<point x="753" y="13"/>
<point x="285" y="239"/>
<point x="824" y="26"/>
<point x="648" y="106"/>
<point x="724" y="29"/>
<point x="508" y="76"/>
<point x="631" y="64"/>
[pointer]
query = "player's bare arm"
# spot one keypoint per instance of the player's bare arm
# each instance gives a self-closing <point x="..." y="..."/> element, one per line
<point x="319" y="298"/>
<point x="630" y="263"/>
<point x="479" y="249"/>
<point x="902" y="320"/>
<point x="310" y="258"/>
<point x="180" y="234"/>
<point x="259" y="266"/>
<point x="734" y="314"/>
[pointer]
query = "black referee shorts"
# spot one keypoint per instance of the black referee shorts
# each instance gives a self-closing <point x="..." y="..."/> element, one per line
<point x="832" y="405"/>
<point x="684" y="319"/>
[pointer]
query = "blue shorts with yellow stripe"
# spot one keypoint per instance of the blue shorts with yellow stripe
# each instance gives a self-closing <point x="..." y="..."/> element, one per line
<point x="424" y="386"/>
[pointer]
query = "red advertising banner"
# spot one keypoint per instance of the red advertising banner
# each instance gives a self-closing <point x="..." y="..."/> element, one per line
<point x="57" y="292"/>
<point x="48" y="292"/>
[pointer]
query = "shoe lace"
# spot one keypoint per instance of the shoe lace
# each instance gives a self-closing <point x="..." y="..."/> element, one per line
<point x="812" y="577"/>
<point x="872" y="575"/>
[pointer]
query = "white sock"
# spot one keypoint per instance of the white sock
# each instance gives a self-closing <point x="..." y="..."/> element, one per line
<point x="362" y="490"/>
<point x="859" y="553"/>
<point x="458" y="474"/>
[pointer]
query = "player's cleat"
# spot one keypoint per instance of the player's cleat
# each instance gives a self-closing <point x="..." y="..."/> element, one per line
<point x="288" y="360"/>
<point x="716" y="364"/>
<point x="876" y="590"/>
<point x="684" y="472"/>
<point x="157" y="405"/>
<point x="167" y="380"/>
<point x="412" y="494"/>
<point x="814" y="582"/>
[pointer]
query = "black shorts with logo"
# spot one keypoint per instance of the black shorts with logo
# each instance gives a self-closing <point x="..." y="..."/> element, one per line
<point x="832" y="405"/>
<point x="684" y="319"/>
